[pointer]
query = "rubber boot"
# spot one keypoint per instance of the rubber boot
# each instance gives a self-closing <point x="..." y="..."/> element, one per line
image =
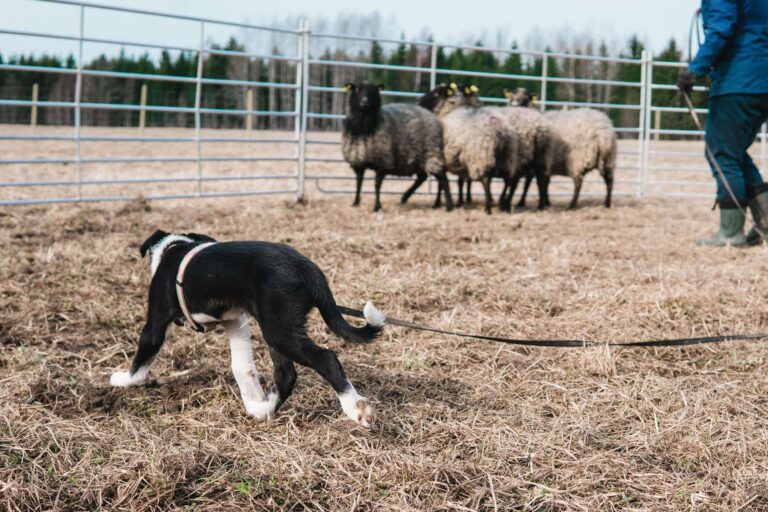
<point x="731" y="230"/>
<point x="759" y="208"/>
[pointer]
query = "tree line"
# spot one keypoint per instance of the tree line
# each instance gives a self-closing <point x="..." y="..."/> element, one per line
<point x="98" y="89"/>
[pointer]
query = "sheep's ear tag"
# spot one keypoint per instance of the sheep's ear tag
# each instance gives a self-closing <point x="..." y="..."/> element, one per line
<point x="534" y="98"/>
<point x="474" y="88"/>
<point x="508" y="93"/>
<point x="454" y="86"/>
<point x="348" y="87"/>
<point x="449" y="92"/>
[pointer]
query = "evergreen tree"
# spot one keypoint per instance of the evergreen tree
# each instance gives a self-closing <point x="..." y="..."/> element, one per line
<point x="377" y="57"/>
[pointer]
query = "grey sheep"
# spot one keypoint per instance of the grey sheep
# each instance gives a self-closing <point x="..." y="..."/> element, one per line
<point x="581" y="140"/>
<point x="478" y="144"/>
<point x="397" y="139"/>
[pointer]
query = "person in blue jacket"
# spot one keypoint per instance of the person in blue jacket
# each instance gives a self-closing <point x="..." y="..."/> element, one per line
<point x="735" y="55"/>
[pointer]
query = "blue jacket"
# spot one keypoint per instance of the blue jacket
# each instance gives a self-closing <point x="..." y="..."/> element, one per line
<point x="735" y="49"/>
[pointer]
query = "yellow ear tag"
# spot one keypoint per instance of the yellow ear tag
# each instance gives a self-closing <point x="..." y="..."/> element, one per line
<point x="449" y="92"/>
<point x="454" y="86"/>
<point x="347" y="88"/>
<point x="474" y="88"/>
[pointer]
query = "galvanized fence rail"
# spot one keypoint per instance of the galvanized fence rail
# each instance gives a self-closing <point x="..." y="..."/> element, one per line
<point x="645" y="162"/>
<point x="199" y="178"/>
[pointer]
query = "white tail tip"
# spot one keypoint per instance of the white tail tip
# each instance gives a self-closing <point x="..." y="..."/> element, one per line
<point x="373" y="316"/>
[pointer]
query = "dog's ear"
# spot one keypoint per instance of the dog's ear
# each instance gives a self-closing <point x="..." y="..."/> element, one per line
<point x="152" y="240"/>
<point x="197" y="237"/>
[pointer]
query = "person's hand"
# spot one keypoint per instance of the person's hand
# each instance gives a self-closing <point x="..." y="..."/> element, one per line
<point x="686" y="81"/>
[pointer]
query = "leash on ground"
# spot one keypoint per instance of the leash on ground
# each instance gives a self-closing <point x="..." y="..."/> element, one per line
<point x="563" y="343"/>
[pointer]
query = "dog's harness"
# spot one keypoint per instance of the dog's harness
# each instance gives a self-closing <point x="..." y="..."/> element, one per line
<point x="195" y="326"/>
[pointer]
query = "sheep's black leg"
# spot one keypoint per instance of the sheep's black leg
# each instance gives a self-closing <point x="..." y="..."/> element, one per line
<point x="608" y="177"/>
<point x="420" y="178"/>
<point x="576" y="191"/>
<point x="460" y="181"/>
<point x="469" y="191"/>
<point x="444" y="186"/>
<point x="486" y="181"/>
<point x="526" y="186"/>
<point x="542" y="182"/>
<point x="359" y="173"/>
<point x="504" y="192"/>
<point x="379" y="181"/>
<point x="439" y="197"/>
<point x="513" y="182"/>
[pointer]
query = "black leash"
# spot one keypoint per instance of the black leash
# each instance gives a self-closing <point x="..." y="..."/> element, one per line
<point x="676" y="342"/>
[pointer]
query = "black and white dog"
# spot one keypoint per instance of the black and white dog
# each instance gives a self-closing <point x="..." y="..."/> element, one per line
<point x="200" y="282"/>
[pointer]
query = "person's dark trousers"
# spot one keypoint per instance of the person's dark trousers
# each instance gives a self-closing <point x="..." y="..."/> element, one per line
<point x="733" y="122"/>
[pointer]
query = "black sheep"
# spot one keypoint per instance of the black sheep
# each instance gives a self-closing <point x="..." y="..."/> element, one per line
<point x="397" y="139"/>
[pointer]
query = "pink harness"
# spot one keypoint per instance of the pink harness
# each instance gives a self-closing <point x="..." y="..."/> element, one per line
<point x="180" y="286"/>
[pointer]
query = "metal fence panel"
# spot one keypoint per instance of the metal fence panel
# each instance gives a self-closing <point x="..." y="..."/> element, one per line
<point x="653" y="161"/>
<point x="91" y="184"/>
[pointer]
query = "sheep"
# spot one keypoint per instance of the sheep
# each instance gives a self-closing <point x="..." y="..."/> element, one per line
<point x="519" y="97"/>
<point x="581" y="140"/>
<point x="477" y="142"/>
<point x="533" y="134"/>
<point x="397" y="139"/>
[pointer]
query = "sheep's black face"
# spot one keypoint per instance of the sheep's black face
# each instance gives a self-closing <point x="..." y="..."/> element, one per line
<point x="520" y="97"/>
<point x="364" y="98"/>
<point x="432" y="99"/>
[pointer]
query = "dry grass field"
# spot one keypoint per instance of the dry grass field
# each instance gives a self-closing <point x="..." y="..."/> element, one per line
<point x="461" y="424"/>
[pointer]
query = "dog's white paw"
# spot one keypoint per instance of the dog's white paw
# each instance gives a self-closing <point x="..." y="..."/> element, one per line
<point x="357" y="408"/>
<point x="363" y="413"/>
<point x="124" y="379"/>
<point x="262" y="410"/>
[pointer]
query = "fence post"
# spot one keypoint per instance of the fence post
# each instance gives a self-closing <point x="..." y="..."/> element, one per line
<point x="249" y="108"/>
<point x="433" y="66"/>
<point x="198" y="99"/>
<point x="143" y="108"/>
<point x="78" y="100"/>
<point x="657" y="125"/>
<point x="303" y="91"/>
<point x="544" y="73"/>
<point x="641" y="126"/>
<point x="648" y="107"/>
<point x="33" y="113"/>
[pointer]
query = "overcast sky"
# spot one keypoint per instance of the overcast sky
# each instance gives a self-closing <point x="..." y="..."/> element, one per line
<point x="655" y="21"/>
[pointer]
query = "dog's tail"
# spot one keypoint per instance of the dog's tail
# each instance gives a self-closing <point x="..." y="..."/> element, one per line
<point x="321" y="293"/>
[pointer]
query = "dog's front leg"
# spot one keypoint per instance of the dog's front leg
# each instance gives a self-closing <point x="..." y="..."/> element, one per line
<point x="257" y="404"/>
<point x="150" y="342"/>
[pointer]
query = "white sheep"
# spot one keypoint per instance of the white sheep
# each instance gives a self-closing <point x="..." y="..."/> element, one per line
<point x="478" y="143"/>
<point x="580" y="140"/>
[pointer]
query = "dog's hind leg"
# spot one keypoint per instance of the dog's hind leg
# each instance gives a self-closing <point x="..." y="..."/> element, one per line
<point x="284" y="374"/>
<point x="302" y="350"/>
<point x="244" y="370"/>
<point x="150" y="342"/>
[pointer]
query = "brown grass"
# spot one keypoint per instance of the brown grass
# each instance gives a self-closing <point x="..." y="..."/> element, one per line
<point x="462" y="425"/>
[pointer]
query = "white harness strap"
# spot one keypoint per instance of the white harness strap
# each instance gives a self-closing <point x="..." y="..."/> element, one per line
<point x="180" y="285"/>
